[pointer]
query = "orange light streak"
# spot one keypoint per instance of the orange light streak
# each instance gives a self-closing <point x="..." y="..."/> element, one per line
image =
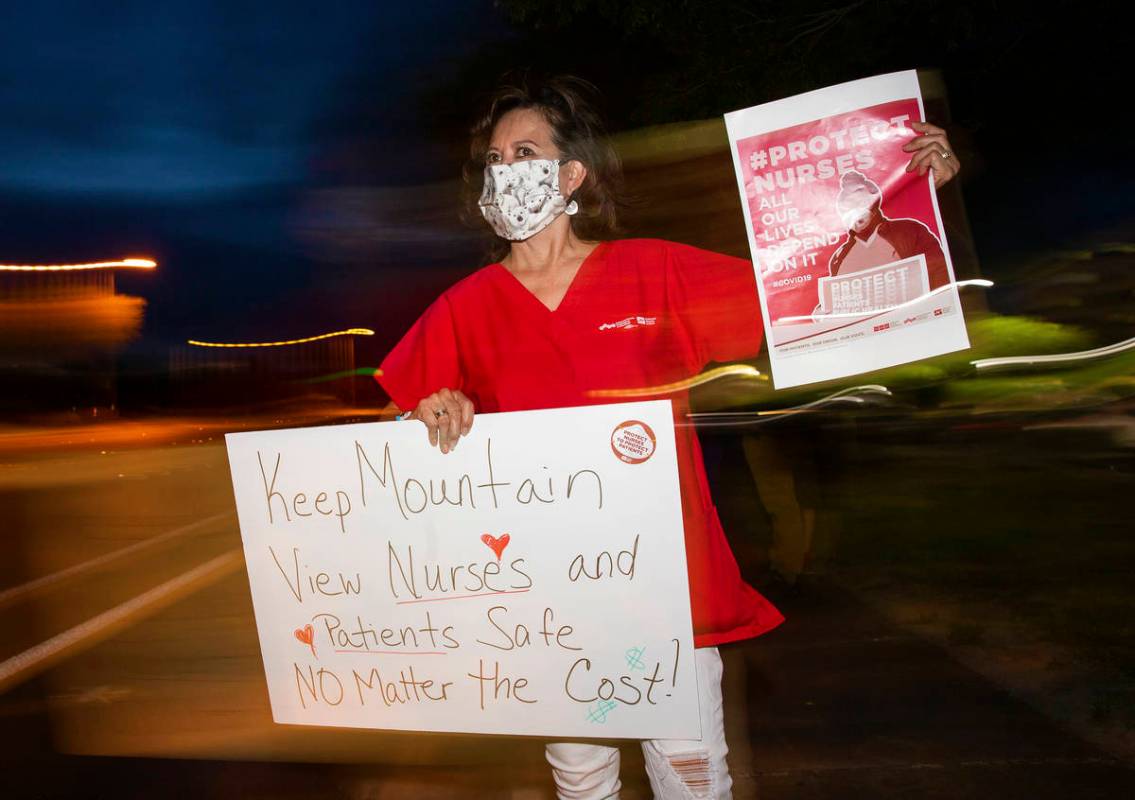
<point x="735" y="370"/>
<point x="126" y="263"/>
<point x="348" y="332"/>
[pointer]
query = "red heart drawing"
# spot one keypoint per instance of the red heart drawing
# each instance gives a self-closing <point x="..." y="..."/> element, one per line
<point x="306" y="634"/>
<point x="495" y="544"/>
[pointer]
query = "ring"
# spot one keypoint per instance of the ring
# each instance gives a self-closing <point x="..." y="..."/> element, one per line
<point x="945" y="154"/>
<point x="440" y="412"/>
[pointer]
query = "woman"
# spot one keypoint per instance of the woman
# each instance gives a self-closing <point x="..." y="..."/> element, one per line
<point x="567" y="310"/>
<point x="874" y="239"/>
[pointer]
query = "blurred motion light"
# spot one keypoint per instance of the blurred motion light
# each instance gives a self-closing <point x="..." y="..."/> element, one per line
<point x="854" y="395"/>
<point x="348" y="332"/>
<point x="863" y="314"/>
<point x="129" y="263"/>
<point x="730" y="370"/>
<point x="1056" y="358"/>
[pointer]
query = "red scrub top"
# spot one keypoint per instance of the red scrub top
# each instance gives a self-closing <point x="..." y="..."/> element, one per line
<point x="640" y="313"/>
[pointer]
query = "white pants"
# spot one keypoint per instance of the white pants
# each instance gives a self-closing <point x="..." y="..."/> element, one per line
<point x="678" y="769"/>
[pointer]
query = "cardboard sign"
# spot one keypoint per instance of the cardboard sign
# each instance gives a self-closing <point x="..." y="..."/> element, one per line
<point x="532" y="581"/>
<point x="852" y="265"/>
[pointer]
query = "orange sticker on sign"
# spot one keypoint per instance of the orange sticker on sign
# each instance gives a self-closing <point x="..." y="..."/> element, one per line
<point x="633" y="441"/>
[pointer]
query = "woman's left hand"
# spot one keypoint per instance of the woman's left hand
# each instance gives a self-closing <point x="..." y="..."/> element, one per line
<point x="932" y="152"/>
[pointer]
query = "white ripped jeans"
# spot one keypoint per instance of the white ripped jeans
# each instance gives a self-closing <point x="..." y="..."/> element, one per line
<point x="678" y="769"/>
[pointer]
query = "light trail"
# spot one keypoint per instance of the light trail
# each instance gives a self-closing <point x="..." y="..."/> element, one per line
<point x="369" y="372"/>
<point x="126" y="263"/>
<point x="730" y="370"/>
<point x="855" y="395"/>
<point x="864" y="314"/>
<point x="42" y="656"/>
<point x="31" y="588"/>
<point x="282" y="343"/>
<point x="1055" y="358"/>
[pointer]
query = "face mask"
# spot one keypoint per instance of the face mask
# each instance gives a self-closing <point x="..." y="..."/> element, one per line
<point x="859" y="218"/>
<point x="855" y="218"/>
<point x="522" y="198"/>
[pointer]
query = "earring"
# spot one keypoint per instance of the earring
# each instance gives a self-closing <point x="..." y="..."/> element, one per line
<point x="572" y="209"/>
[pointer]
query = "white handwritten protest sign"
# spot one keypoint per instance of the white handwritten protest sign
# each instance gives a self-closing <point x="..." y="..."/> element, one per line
<point x="533" y="581"/>
<point x="849" y="249"/>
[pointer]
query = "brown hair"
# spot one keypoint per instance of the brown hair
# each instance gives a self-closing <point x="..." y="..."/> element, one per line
<point x="569" y="106"/>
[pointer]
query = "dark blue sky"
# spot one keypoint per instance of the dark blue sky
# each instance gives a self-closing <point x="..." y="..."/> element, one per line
<point x="209" y="134"/>
<point x="182" y="99"/>
<point x="196" y="131"/>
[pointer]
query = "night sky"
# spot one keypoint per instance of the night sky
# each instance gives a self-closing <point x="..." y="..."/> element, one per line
<point x="194" y="132"/>
<point x="208" y="135"/>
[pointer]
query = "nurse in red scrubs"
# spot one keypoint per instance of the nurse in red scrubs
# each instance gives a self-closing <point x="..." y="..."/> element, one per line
<point x="566" y="309"/>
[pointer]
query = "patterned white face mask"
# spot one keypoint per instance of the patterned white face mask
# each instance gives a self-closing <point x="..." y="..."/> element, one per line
<point x="521" y="199"/>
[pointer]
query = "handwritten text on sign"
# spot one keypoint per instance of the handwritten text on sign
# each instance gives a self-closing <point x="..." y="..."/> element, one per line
<point x="533" y="581"/>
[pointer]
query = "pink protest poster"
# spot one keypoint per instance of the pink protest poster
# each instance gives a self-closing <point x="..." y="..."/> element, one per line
<point x="852" y="265"/>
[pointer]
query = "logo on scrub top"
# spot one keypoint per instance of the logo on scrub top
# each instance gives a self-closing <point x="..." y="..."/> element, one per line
<point x="629" y="323"/>
<point x="633" y="441"/>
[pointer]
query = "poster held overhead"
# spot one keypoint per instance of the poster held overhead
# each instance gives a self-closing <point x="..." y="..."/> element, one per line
<point x="849" y="249"/>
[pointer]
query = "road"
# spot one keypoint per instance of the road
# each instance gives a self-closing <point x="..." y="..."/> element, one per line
<point x="130" y="660"/>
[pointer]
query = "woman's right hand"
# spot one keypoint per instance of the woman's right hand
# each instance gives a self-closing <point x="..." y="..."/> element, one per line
<point x="448" y="415"/>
